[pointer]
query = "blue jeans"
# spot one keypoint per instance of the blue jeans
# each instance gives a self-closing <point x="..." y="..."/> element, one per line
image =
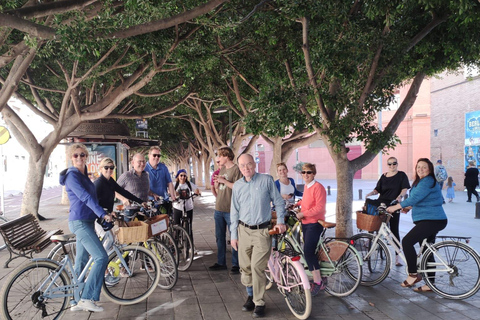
<point x="222" y="222"/>
<point x="87" y="245"/>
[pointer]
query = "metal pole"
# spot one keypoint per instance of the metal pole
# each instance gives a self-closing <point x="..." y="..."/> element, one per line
<point x="2" y="174"/>
<point x="380" y="169"/>
<point x="230" y="124"/>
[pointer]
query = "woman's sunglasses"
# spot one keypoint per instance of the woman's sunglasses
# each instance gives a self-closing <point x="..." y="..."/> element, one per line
<point x="307" y="172"/>
<point x="109" y="167"/>
<point x="82" y="155"/>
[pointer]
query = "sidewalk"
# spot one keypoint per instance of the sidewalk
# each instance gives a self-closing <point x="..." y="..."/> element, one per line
<point x="201" y="294"/>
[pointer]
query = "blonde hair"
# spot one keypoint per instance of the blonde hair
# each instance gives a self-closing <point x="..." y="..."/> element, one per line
<point x="310" y="167"/>
<point x="106" y="161"/>
<point x="76" y="146"/>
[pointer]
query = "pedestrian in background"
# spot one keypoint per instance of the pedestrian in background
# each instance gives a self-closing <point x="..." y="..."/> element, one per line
<point x="450" y="189"/>
<point x="471" y="181"/>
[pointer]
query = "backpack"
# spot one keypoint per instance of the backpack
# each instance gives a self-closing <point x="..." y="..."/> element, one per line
<point x="441" y="174"/>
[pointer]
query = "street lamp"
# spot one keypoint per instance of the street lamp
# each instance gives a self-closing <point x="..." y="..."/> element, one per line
<point x="223" y="109"/>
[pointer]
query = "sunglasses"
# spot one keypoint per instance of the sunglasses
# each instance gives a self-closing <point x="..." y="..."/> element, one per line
<point x="76" y="155"/>
<point x="392" y="164"/>
<point x="109" y="167"/>
<point x="307" y="172"/>
<point x="182" y="175"/>
<point x="156" y="155"/>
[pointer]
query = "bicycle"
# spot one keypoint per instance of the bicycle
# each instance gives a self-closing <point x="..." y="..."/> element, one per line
<point x="456" y="275"/>
<point x="340" y="262"/>
<point x="43" y="288"/>
<point x="168" y="267"/>
<point x="285" y="269"/>
<point x="180" y="237"/>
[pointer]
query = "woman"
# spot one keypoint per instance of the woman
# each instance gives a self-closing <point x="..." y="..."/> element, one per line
<point x="392" y="185"/>
<point x="286" y="185"/>
<point x="183" y="189"/>
<point x="84" y="210"/>
<point x="313" y="208"/>
<point x="471" y="181"/>
<point x="106" y="187"/>
<point x="426" y="201"/>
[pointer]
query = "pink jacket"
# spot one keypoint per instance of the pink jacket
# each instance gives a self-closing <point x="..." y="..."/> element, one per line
<point x="313" y="203"/>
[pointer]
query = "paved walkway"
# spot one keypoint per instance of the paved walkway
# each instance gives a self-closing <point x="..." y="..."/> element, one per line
<point x="201" y="294"/>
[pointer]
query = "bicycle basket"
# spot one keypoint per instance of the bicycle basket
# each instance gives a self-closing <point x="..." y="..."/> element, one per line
<point x="369" y="222"/>
<point x="335" y="250"/>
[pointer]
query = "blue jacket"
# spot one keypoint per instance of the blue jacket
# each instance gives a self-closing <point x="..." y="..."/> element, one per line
<point x="82" y="195"/>
<point x="296" y="193"/>
<point x="426" y="201"/>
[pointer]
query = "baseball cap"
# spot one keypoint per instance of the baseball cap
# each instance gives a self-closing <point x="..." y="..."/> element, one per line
<point x="439" y="161"/>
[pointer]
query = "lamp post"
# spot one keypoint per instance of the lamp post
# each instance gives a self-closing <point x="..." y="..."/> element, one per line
<point x="223" y="109"/>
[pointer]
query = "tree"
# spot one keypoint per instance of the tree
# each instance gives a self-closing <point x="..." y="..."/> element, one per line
<point x="336" y="64"/>
<point x="75" y="61"/>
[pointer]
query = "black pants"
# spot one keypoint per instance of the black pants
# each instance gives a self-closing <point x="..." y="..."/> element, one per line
<point x="177" y="214"/>
<point x="425" y="229"/>
<point x="470" y="190"/>
<point x="394" y="224"/>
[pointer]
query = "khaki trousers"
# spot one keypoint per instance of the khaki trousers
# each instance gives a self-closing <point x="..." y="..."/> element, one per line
<point x="254" y="249"/>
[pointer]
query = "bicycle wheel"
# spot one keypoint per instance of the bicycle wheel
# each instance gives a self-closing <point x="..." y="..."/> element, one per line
<point x="168" y="267"/>
<point x="57" y="254"/>
<point x="185" y="248"/>
<point x="167" y="239"/>
<point x="347" y="274"/>
<point x="298" y="298"/>
<point x="22" y="294"/>
<point x="136" y="275"/>
<point x="463" y="281"/>
<point x="376" y="266"/>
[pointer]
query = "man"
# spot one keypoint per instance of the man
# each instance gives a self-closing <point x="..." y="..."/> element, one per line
<point x="135" y="181"/>
<point x="250" y="217"/>
<point x="441" y="175"/>
<point x="215" y="173"/>
<point x="160" y="179"/>
<point x="225" y="179"/>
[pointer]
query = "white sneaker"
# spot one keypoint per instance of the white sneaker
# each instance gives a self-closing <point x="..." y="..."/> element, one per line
<point x="110" y="280"/>
<point x="74" y="306"/>
<point x="89" y="305"/>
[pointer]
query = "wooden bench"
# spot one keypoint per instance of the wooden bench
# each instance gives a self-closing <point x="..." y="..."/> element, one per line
<point x="24" y="236"/>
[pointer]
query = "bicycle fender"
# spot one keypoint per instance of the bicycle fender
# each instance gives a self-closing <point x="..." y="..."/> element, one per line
<point x="301" y="271"/>
<point x="45" y="260"/>
<point x="357" y="253"/>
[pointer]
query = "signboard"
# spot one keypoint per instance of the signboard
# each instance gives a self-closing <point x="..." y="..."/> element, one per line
<point x="257" y="160"/>
<point x="472" y="138"/>
<point x="97" y="152"/>
<point x="4" y="135"/>
<point x="141" y="124"/>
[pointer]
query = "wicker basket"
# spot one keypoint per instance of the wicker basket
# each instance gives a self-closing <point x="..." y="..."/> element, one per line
<point x="368" y="222"/>
<point x="135" y="231"/>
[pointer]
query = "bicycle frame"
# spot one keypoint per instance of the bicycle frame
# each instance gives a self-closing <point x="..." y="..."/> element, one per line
<point x="275" y="267"/>
<point x="387" y="234"/>
<point x="77" y="282"/>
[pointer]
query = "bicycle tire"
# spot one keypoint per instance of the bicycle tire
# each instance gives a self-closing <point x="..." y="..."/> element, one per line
<point x="20" y="290"/>
<point x="376" y="267"/>
<point x="167" y="239"/>
<point x="185" y="247"/>
<point x="57" y="254"/>
<point x="168" y="266"/>
<point x="137" y="286"/>
<point x="464" y="281"/>
<point x="347" y="274"/>
<point x="299" y="298"/>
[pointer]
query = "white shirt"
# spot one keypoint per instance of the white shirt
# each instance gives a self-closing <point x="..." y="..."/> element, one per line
<point x="188" y="203"/>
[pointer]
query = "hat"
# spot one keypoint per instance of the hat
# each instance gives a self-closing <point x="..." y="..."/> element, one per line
<point x="180" y="171"/>
<point x="439" y="161"/>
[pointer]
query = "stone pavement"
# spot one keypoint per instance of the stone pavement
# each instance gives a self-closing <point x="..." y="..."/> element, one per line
<point x="202" y="294"/>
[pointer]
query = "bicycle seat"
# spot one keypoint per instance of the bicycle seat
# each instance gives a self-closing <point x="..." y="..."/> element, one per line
<point x="327" y="225"/>
<point x="62" y="237"/>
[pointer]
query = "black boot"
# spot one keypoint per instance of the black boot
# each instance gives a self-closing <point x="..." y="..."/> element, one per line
<point x="249" y="305"/>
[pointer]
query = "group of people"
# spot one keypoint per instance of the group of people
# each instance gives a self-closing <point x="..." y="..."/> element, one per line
<point x="244" y="200"/>
<point x="90" y="201"/>
<point x="425" y="200"/>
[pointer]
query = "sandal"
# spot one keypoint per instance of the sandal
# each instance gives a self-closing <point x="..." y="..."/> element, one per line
<point x="407" y="284"/>
<point x="423" y="288"/>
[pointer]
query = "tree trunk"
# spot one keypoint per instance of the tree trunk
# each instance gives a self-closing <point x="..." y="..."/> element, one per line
<point x="34" y="185"/>
<point x="344" y="227"/>
<point x="206" y="169"/>
<point x="198" y="170"/>
<point x="277" y="155"/>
